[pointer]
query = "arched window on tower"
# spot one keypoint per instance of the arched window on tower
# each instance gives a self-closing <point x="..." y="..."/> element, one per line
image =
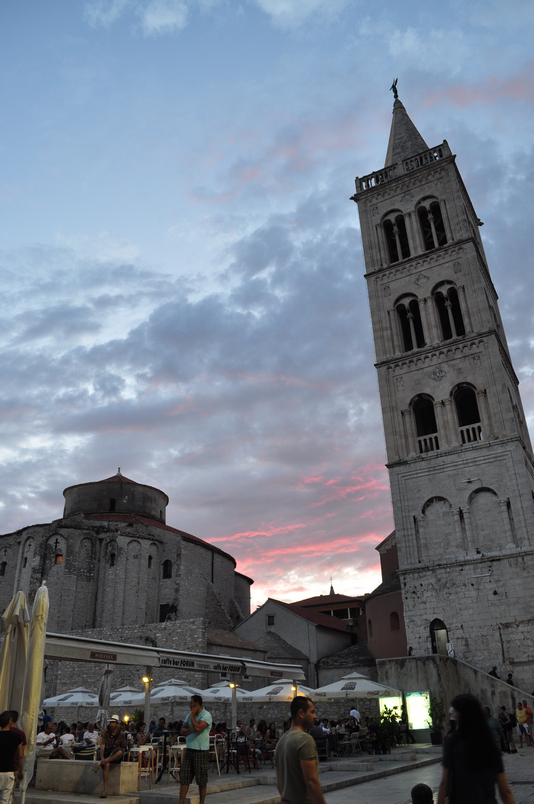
<point x="3" y="567"/>
<point x="425" y="424"/>
<point x="167" y="568"/>
<point x="432" y="226"/>
<point x="465" y="400"/>
<point x="394" y="622"/>
<point x="396" y="238"/>
<point x="449" y="312"/>
<point x="411" y="327"/>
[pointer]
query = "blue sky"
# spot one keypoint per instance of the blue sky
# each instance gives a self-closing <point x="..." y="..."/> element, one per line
<point x="182" y="271"/>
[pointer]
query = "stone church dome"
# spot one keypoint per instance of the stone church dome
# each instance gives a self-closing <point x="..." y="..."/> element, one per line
<point x="117" y="494"/>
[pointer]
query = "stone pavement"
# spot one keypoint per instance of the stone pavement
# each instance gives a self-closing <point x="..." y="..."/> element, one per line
<point x="376" y="780"/>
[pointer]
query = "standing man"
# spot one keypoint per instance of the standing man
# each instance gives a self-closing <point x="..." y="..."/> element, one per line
<point x="10" y="744"/>
<point x="528" y="712"/>
<point x="195" y="763"/>
<point x="355" y="714"/>
<point x="112" y="749"/>
<point x="296" y="760"/>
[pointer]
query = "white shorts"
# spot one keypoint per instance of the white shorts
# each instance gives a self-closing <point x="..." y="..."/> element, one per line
<point x="523" y="728"/>
<point x="7" y="783"/>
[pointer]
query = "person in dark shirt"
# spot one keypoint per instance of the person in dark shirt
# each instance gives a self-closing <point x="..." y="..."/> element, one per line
<point x="112" y="747"/>
<point x="13" y="727"/>
<point x="10" y="743"/>
<point x="472" y="763"/>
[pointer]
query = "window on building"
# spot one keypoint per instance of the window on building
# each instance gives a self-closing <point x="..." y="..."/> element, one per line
<point x="270" y="619"/>
<point x="150" y="559"/>
<point x="465" y="400"/>
<point x="3" y="567"/>
<point x="167" y="568"/>
<point x="59" y="558"/>
<point x="411" y="326"/>
<point x="394" y="623"/>
<point x="112" y="503"/>
<point x="164" y="612"/>
<point x="449" y="313"/>
<point x="425" y="424"/>
<point x="432" y="226"/>
<point x="24" y="562"/>
<point x="370" y="628"/>
<point x="112" y="558"/>
<point x="396" y="238"/>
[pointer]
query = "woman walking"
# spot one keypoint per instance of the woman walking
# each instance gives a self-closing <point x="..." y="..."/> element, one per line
<point x="472" y="763"/>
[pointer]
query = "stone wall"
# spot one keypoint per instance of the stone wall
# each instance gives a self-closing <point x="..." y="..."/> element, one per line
<point x="445" y="677"/>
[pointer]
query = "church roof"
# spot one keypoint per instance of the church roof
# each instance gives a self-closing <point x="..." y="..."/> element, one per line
<point x="154" y="523"/>
<point x="315" y="617"/>
<point x="390" y="584"/>
<point x="325" y="600"/>
<point x="404" y="139"/>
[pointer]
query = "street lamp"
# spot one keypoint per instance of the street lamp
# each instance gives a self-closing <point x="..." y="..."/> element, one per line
<point x="233" y="687"/>
<point x="146" y="681"/>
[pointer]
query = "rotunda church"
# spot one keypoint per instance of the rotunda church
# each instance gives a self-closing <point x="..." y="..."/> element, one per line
<point x="112" y="561"/>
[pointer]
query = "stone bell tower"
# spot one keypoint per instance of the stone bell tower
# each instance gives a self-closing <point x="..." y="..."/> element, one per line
<point x="459" y="454"/>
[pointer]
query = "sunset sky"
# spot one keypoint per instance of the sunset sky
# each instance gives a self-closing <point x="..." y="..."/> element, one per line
<point x="182" y="270"/>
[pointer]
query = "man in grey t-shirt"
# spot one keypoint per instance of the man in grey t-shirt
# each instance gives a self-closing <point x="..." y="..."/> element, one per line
<point x="295" y="758"/>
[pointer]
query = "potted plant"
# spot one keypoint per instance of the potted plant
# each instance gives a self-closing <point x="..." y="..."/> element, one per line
<point x="389" y="726"/>
<point x="436" y="720"/>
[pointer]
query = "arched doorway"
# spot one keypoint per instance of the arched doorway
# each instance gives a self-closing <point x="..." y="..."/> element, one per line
<point x="439" y="637"/>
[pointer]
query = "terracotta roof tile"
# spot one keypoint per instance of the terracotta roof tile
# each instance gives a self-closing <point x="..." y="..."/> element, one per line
<point x="324" y="620"/>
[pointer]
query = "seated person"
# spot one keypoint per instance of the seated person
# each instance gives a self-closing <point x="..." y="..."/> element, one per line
<point x="66" y="739"/>
<point x="46" y="743"/>
<point x="113" y="748"/>
<point x="320" y="739"/>
<point x="90" y="736"/>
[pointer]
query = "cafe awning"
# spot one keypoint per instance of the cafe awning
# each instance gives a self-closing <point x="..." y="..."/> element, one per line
<point x="82" y="649"/>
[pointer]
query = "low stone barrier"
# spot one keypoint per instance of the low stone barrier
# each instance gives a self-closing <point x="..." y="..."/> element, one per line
<point x="71" y="776"/>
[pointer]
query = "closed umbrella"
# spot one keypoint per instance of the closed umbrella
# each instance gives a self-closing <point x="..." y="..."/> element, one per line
<point x="355" y="685"/>
<point x="283" y="690"/>
<point x="34" y="682"/>
<point x="13" y="653"/>
<point x="103" y="697"/>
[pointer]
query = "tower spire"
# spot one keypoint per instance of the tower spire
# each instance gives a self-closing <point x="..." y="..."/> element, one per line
<point x="404" y="138"/>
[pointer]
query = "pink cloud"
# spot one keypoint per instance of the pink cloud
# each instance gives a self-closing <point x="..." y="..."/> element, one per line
<point x="487" y="92"/>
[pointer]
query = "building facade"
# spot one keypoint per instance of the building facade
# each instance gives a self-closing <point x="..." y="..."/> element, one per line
<point x="112" y="562"/>
<point x="459" y="454"/>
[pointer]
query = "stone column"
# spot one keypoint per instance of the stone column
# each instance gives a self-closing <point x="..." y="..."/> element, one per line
<point x="482" y="402"/>
<point x="434" y="324"/>
<point x="397" y="240"/>
<point x="448" y="307"/>
<point x="394" y="329"/>
<point x="425" y="321"/>
<point x="446" y="222"/>
<point x="458" y="528"/>
<point x="411" y="446"/>
<point x="409" y="316"/>
<point x="506" y="522"/>
<point x="410" y="231"/>
<point x="453" y="427"/>
<point x="433" y="228"/>
<point x="380" y="241"/>
<point x="464" y="308"/>
<point x="443" y="430"/>
<point x="468" y="529"/>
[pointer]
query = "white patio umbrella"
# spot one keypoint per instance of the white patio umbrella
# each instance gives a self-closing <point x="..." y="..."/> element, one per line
<point x="126" y="696"/>
<point x="173" y="691"/>
<point x="34" y="682"/>
<point x="78" y="697"/>
<point x="103" y="697"/>
<point x="283" y="690"/>
<point x="227" y="692"/>
<point x="13" y="653"/>
<point x="355" y="685"/>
